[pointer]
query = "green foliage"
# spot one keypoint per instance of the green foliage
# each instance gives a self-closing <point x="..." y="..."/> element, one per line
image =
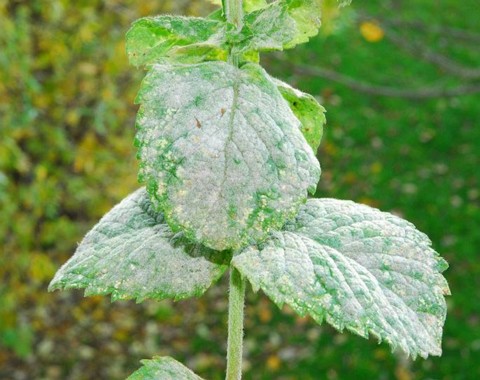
<point x="222" y="154"/>
<point x="356" y="268"/>
<point x="415" y="158"/>
<point x="53" y="194"/>
<point x="307" y="110"/>
<point x="174" y="39"/>
<point x="282" y="24"/>
<point x="60" y="81"/>
<point x="164" y="368"/>
<point x="132" y="253"/>
<point x="255" y="165"/>
<point x="65" y="84"/>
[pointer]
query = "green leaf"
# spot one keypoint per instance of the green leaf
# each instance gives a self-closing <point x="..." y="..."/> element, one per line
<point x="306" y="14"/>
<point x="358" y="268"/>
<point x="221" y="152"/>
<point x="163" y="368"/>
<point x="307" y="110"/>
<point x="175" y="39"/>
<point x="281" y="25"/>
<point x="132" y="253"/>
<point x="266" y="29"/>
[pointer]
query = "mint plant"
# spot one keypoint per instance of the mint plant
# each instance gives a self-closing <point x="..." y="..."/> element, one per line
<point x="227" y="158"/>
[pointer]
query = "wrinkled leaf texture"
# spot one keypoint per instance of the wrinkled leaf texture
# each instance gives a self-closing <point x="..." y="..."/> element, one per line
<point x="163" y="368"/>
<point x="132" y="253"/>
<point x="221" y="152"/>
<point x="357" y="268"/>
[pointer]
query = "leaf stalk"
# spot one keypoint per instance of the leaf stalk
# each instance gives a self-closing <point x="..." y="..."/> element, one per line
<point x="233" y="10"/>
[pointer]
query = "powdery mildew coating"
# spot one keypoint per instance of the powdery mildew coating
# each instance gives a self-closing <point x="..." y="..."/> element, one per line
<point x="163" y="368"/>
<point x="132" y="253"/>
<point x="221" y="152"/>
<point x="358" y="268"/>
<point x="268" y="28"/>
<point x="175" y="38"/>
<point x="279" y="25"/>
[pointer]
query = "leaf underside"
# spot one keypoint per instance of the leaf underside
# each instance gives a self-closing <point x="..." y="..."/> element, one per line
<point x="132" y="253"/>
<point x="357" y="268"/>
<point x="163" y="368"/>
<point x="221" y="152"/>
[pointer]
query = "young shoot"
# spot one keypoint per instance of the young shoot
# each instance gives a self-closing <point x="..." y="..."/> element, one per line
<point x="227" y="159"/>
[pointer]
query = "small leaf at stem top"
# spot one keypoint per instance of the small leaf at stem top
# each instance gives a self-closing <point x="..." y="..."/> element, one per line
<point x="281" y="25"/>
<point x="175" y="39"/>
<point x="358" y="268"/>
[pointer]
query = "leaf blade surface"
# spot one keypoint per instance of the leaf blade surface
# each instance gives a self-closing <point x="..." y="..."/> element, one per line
<point x="132" y="253"/>
<point x="175" y="39"/>
<point x="307" y="110"/>
<point x="224" y="159"/>
<point x="280" y="25"/>
<point x="164" y="368"/>
<point x="357" y="268"/>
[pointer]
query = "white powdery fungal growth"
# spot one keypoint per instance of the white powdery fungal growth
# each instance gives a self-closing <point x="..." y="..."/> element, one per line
<point x="357" y="267"/>
<point x="132" y="253"/>
<point x="164" y="368"/>
<point x="221" y="152"/>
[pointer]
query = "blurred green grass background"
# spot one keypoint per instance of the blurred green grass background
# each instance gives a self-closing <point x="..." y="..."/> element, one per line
<point x="397" y="139"/>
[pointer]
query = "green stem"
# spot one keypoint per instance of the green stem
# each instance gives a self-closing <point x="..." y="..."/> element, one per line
<point x="234" y="12"/>
<point x="236" y="301"/>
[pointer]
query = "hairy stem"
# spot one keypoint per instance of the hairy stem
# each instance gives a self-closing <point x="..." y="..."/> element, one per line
<point x="234" y="12"/>
<point x="236" y="301"/>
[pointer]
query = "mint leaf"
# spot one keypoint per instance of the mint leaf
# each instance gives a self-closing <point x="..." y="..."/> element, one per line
<point x="306" y="14"/>
<point x="164" y="368"/>
<point x="175" y="39"/>
<point x="132" y="253"/>
<point x="221" y="152"/>
<point x="358" y="268"/>
<point x="281" y="25"/>
<point x="269" y="28"/>
<point x="307" y="110"/>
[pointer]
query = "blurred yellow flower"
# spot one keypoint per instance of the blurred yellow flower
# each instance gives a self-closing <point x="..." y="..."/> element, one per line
<point x="371" y="31"/>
